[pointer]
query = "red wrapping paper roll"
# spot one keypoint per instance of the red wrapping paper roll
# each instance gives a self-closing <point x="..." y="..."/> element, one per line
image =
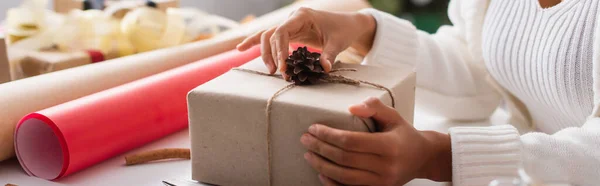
<point x="66" y="138"/>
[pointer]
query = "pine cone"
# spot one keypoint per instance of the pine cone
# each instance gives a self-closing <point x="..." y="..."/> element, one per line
<point x="304" y="67"/>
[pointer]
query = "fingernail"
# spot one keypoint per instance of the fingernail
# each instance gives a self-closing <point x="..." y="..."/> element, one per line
<point x="304" y="139"/>
<point x="312" y="129"/>
<point x="328" y="66"/>
<point x="271" y="66"/>
<point x="370" y="100"/>
<point x="307" y="156"/>
<point x="321" y="178"/>
<point x="363" y="105"/>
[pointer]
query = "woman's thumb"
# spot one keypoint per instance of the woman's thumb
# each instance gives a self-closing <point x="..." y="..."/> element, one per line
<point x="385" y="116"/>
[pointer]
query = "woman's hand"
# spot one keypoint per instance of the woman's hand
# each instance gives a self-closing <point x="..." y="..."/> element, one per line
<point x="330" y="31"/>
<point x="394" y="156"/>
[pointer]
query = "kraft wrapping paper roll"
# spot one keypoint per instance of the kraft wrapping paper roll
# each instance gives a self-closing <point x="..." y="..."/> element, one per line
<point x="21" y="97"/>
<point x="63" y="139"/>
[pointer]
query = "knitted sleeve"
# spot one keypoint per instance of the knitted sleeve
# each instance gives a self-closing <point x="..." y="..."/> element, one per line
<point x="451" y="81"/>
<point x="570" y="156"/>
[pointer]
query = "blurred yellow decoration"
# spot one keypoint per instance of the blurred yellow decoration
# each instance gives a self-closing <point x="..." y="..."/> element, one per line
<point x="124" y="47"/>
<point x="149" y="29"/>
<point x="95" y="30"/>
<point x="92" y="29"/>
<point x="175" y="30"/>
<point x="26" y="20"/>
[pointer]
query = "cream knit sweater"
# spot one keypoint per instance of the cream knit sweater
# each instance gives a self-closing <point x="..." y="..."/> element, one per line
<point x="465" y="71"/>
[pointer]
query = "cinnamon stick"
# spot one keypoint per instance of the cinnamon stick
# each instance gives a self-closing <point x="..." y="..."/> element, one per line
<point x="161" y="154"/>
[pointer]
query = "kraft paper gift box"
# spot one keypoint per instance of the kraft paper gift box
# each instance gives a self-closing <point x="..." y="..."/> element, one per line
<point x="4" y="65"/>
<point x="228" y="124"/>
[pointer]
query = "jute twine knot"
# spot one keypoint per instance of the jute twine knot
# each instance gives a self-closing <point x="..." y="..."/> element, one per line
<point x="328" y="78"/>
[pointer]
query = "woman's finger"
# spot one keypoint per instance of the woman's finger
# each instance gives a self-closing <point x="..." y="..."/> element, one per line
<point x="338" y="173"/>
<point x="266" y="51"/>
<point x="274" y="50"/>
<point x="250" y="41"/>
<point x="327" y="181"/>
<point x="291" y="28"/>
<point x="349" y="140"/>
<point x="282" y="43"/>
<point x="361" y="161"/>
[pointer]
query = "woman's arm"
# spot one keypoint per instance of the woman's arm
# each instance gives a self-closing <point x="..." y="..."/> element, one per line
<point x="450" y="75"/>
<point x="571" y="155"/>
<point x="449" y="71"/>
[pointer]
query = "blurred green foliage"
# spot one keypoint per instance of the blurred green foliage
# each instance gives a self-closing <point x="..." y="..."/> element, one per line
<point x="390" y="6"/>
<point x="427" y="15"/>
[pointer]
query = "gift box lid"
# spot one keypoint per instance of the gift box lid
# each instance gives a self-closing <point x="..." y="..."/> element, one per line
<point x="329" y="96"/>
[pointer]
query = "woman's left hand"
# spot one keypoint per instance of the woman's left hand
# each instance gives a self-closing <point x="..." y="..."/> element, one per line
<point x="394" y="156"/>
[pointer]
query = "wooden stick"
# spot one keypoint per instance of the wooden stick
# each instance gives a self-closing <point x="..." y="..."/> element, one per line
<point x="154" y="155"/>
<point x="10" y="184"/>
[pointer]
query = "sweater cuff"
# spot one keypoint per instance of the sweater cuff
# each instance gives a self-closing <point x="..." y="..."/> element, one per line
<point x="483" y="154"/>
<point x="395" y="41"/>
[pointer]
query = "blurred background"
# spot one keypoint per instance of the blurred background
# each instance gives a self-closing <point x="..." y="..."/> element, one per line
<point x="45" y="36"/>
<point x="427" y="15"/>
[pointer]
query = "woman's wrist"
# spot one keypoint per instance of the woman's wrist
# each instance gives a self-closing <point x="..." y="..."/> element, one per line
<point x="438" y="167"/>
<point x="367" y="34"/>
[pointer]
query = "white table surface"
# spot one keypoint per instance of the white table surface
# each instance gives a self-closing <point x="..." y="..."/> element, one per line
<point x="114" y="172"/>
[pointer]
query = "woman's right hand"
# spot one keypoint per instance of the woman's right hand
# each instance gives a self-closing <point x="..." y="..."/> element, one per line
<point x="330" y="31"/>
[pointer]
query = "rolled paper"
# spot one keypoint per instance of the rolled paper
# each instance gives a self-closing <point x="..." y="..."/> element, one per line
<point x="60" y="140"/>
<point x="32" y="94"/>
<point x="29" y="95"/>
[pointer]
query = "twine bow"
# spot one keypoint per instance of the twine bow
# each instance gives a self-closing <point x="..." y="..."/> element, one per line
<point x="328" y="78"/>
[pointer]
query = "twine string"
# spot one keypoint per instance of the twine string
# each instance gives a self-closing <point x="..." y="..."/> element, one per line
<point x="329" y="78"/>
